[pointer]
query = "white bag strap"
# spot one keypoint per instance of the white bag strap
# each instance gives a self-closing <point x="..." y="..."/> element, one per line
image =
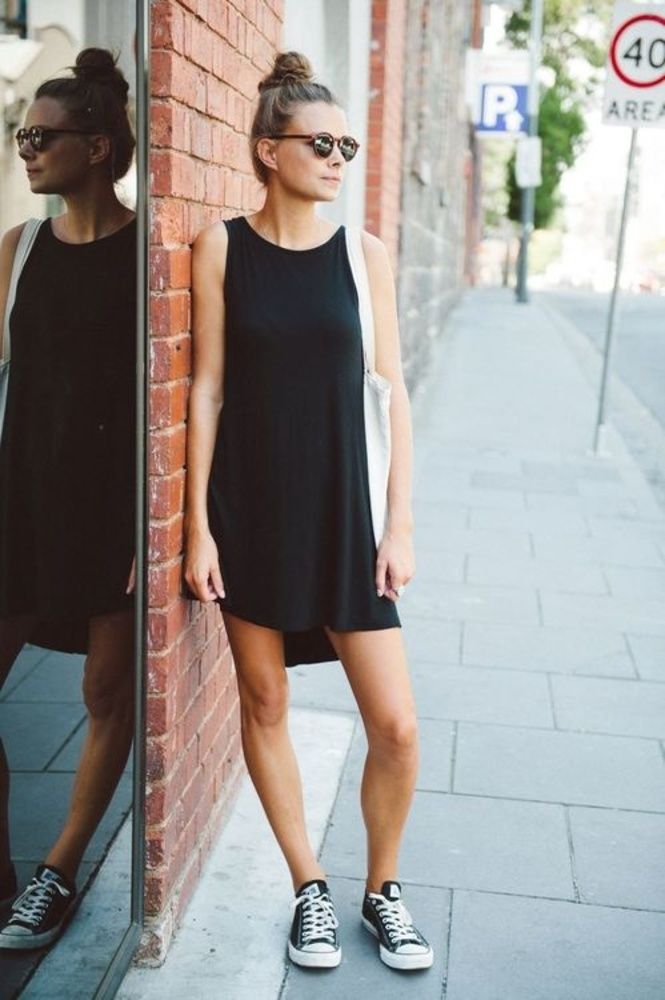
<point x="23" y="248"/>
<point x="359" y="271"/>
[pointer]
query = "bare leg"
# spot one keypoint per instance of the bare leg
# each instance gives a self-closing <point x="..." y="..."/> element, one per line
<point x="13" y="636"/>
<point x="375" y="663"/>
<point x="262" y="683"/>
<point x="109" y="698"/>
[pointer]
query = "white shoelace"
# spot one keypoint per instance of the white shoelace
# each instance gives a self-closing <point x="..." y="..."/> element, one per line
<point x="397" y="921"/>
<point x="318" y="919"/>
<point x="34" y="901"/>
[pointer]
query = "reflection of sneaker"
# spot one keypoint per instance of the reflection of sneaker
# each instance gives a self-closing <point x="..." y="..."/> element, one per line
<point x="313" y="939"/>
<point x="385" y="916"/>
<point x="8" y="885"/>
<point x="40" y="912"/>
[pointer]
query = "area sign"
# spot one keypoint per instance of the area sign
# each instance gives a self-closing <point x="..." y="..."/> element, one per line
<point x="635" y="87"/>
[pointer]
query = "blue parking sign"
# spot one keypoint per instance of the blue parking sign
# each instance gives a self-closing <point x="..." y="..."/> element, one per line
<point x="503" y="109"/>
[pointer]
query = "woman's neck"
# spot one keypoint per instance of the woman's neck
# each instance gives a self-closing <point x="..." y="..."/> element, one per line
<point x="91" y="216"/>
<point x="293" y="225"/>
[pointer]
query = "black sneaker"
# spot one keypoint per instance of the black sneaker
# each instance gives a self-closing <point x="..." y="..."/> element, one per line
<point x="40" y="912"/>
<point x="401" y="945"/>
<point x="313" y="939"/>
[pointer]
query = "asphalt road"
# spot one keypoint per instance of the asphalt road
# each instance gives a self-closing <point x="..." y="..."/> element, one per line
<point x="638" y="351"/>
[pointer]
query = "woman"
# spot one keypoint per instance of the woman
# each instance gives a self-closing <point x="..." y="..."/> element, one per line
<point x="277" y="514"/>
<point x="67" y="453"/>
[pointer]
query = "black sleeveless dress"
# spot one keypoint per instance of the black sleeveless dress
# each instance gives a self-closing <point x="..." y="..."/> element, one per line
<point x="288" y="498"/>
<point x="67" y="479"/>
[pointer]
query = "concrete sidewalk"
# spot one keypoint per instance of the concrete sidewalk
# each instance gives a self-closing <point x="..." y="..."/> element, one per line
<point x="534" y="859"/>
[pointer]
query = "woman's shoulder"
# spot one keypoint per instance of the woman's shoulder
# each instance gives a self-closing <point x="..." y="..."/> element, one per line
<point x="214" y="237"/>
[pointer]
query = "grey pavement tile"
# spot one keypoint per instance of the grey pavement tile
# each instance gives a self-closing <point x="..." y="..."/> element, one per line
<point x="33" y="732"/>
<point x="632" y="581"/>
<point x="430" y="517"/>
<point x="574" y="470"/>
<point x="321" y="685"/>
<point x="607" y="506"/>
<point x="463" y="602"/>
<point x="361" y="972"/>
<point x="615" y="551"/>
<point x="619" y="857"/>
<point x="464" y="841"/>
<point x="629" y="614"/>
<point x="500" y="543"/>
<point x="566" y="577"/>
<point x="564" y="522"/>
<point x="572" y="650"/>
<point x="49" y="793"/>
<point x="563" y="485"/>
<point x="552" y="766"/>
<point x="643" y="529"/>
<point x="24" y="664"/>
<point x="56" y="678"/>
<point x="479" y="694"/>
<point x="509" y="948"/>
<point x="475" y="496"/>
<point x="435" y="565"/>
<point x="625" y="707"/>
<point x="649" y="654"/>
<point x="430" y="640"/>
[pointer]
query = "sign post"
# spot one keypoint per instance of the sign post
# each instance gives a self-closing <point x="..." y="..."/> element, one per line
<point x="634" y="96"/>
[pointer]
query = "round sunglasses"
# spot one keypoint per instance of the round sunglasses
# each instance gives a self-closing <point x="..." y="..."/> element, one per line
<point x="39" y="135"/>
<point x="323" y="143"/>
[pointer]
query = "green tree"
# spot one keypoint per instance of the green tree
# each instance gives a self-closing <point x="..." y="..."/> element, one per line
<point x="574" y="48"/>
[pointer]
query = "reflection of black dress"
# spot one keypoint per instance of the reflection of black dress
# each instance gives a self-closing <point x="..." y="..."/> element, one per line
<point x="67" y="477"/>
<point x="289" y="498"/>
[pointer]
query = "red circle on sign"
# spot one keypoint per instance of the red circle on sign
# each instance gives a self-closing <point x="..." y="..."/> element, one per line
<point x="615" y="41"/>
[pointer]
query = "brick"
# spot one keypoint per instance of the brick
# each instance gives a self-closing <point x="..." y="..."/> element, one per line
<point x="166" y="494"/>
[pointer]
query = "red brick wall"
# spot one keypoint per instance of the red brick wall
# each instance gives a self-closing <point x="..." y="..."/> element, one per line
<point x="384" y="127"/>
<point x="206" y="60"/>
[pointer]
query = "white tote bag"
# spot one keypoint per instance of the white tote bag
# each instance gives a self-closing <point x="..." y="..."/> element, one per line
<point x="376" y="392"/>
<point x="23" y="248"/>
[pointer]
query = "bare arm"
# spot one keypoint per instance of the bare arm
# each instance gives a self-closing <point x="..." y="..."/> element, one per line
<point x="205" y="402"/>
<point x="8" y="246"/>
<point x="395" y="562"/>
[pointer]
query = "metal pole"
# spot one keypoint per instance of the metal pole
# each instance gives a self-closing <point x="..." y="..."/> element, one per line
<point x="609" y="333"/>
<point x="529" y="193"/>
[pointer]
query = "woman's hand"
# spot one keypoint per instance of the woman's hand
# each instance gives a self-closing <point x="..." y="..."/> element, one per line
<point x="202" y="571"/>
<point x="395" y="563"/>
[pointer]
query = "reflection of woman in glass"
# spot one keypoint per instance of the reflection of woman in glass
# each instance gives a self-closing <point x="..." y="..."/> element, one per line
<point x="278" y="512"/>
<point x="67" y="454"/>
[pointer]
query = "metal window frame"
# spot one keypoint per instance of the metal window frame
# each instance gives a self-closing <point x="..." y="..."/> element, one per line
<point x="122" y="958"/>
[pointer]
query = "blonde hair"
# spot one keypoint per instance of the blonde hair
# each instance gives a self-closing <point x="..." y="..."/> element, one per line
<point x="289" y="83"/>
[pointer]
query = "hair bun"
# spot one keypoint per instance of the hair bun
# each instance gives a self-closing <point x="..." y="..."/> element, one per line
<point x="99" y="66"/>
<point x="289" y="67"/>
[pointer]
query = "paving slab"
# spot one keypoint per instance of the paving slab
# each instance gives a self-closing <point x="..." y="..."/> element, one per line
<point x="464" y="602"/>
<point x="512" y="948"/>
<point x="566" y="577"/>
<point x="478" y="694"/>
<point x="481" y="843"/>
<point x="626" y="707"/>
<point x="554" y="766"/>
<point x="619" y="857"/>
<point x="567" y="650"/>
<point x="649" y="655"/>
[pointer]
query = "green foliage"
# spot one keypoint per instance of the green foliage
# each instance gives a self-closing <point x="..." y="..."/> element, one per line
<point x="574" y="39"/>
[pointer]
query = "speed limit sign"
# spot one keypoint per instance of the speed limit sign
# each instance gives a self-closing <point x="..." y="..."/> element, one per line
<point x="635" y="88"/>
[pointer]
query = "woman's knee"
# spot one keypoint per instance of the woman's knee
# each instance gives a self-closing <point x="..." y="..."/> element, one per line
<point x="264" y="701"/>
<point x="394" y="734"/>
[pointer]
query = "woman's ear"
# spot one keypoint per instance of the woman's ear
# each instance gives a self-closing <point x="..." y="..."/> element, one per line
<point x="101" y="148"/>
<point x="266" y="150"/>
